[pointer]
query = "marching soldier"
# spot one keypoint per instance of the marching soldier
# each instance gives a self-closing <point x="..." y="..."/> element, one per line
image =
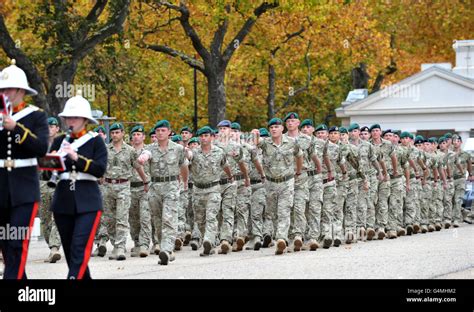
<point x="77" y="201"/>
<point x="117" y="198"/>
<point x="167" y="163"/>
<point x="140" y="217"/>
<point x="207" y="163"/>
<point x="23" y="138"/>
<point x="50" y="231"/>
<point x="279" y="156"/>
<point x="463" y="164"/>
<point x="186" y="133"/>
<point x="449" y="163"/>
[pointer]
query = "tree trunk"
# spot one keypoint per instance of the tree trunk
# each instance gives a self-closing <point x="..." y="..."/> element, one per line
<point x="216" y="96"/>
<point x="271" y="92"/>
<point x="60" y="88"/>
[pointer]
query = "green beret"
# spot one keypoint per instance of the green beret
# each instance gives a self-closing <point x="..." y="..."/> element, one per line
<point x="186" y="128"/>
<point x="193" y="140"/>
<point x="448" y="135"/>
<point x="375" y="126"/>
<point x="405" y="134"/>
<point x="397" y="132"/>
<point x="457" y="137"/>
<point x="137" y="128"/>
<point x="263" y="132"/>
<point x="291" y="115"/>
<point x="364" y="129"/>
<point x="275" y="121"/>
<point x="235" y="125"/>
<point x="52" y="121"/>
<point x="163" y="124"/>
<point x="433" y="140"/>
<point x="343" y="130"/>
<point x="353" y="126"/>
<point x="116" y="126"/>
<point x="205" y="129"/>
<point x="176" y="138"/>
<point x="99" y="129"/>
<point x="321" y="127"/>
<point x="441" y="139"/>
<point x="386" y="131"/>
<point x="419" y="137"/>
<point x="152" y="131"/>
<point x="306" y="122"/>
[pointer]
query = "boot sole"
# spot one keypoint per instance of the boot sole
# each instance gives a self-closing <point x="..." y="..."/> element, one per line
<point x="178" y="243"/>
<point x="370" y="234"/>
<point x="409" y="230"/>
<point x="121" y="258"/>
<point x="381" y="235"/>
<point x="298" y="244"/>
<point x="194" y="247"/>
<point x="280" y="248"/>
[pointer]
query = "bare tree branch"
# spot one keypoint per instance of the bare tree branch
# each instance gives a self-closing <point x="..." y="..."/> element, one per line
<point x="174" y="53"/>
<point x="220" y="34"/>
<point x="188" y="29"/>
<point x="244" y="31"/>
<point x="305" y="86"/>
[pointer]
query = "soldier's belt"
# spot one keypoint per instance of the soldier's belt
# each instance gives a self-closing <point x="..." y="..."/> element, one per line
<point x="18" y="163"/>
<point x="394" y="176"/>
<point x="79" y="176"/>
<point x="327" y="180"/>
<point x="237" y="177"/>
<point x="255" y="181"/>
<point x="457" y="177"/>
<point x="280" y="180"/>
<point x="412" y="176"/>
<point x="312" y="173"/>
<point x="136" y="184"/>
<point x="116" y="181"/>
<point x="164" y="179"/>
<point x="206" y="185"/>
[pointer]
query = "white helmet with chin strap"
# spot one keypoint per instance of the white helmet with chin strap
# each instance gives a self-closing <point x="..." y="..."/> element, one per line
<point x="15" y="78"/>
<point x="77" y="106"/>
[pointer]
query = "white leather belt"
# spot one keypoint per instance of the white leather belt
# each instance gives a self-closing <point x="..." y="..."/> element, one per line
<point x="79" y="176"/>
<point x="18" y="163"/>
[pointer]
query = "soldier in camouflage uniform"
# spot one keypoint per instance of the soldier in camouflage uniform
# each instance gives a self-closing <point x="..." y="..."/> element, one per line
<point x="140" y="217"/>
<point x="463" y="164"/>
<point x="387" y="158"/>
<point x="207" y="163"/>
<point x="235" y="157"/>
<point x="315" y="188"/>
<point x="429" y="184"/>
<point x="370" y="167"/>
<point x="167" y="163"/>
<point x="301" y="196"/>
<point x="442" y="184"/>
<point x="449" y="163"/>
<point x="120" y="163"/>
<point x="50" y="231"/>
<point x="279" y="156"/>
<point x="186" y="133"/>
<point x="257" y="202"/>
<point x="190" y="225"/>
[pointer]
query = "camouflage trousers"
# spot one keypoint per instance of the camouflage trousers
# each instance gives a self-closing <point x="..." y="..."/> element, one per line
<point x="140" y="217"/>
<point x="369" y="199"/>
<point x="327" y="212"/>
<point x="242" y="210"/>
<point x="338" y="212"/>
<point x="279" y="203"/>
<point x="412" y="203"/>
<point x="183" y="224"/>
<point x="448" y="202"/>
<point x="164" y="201"/>
<point x="206" y="205"/>
<point x="301" y="198"/>
<point x="117" y="200"/>
<point x="315" y="205"/>
<point x="48" y="226"/>
<point x="101" y="236"/>
<point x="227" y="212"/>
<point x="459" y="189"/>
<point x="257" y="210"/>
<point x="425" y="203"/>
<point x="395" y="204"/>
<point x="350" y="208"/>
<point x="438" y="193"/>
<point x="381" y="212"/>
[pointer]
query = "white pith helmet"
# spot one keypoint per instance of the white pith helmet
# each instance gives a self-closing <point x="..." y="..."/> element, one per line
<point x="14" y="77"/>
<point x="77" y="106"/>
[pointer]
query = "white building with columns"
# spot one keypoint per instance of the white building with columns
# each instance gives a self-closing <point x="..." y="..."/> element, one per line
<point x="436" y="100"/>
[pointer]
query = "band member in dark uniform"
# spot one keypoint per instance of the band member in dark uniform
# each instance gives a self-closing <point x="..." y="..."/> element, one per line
<point x="77" y="201"/>
<point x="23" y="138"/>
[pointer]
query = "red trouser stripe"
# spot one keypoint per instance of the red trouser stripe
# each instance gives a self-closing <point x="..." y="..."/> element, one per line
<point x="26" y="241"/>
<point x="90" y="242"/>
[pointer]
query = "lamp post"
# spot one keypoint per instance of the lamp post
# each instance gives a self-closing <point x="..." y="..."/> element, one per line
<point x="99" y="115"/>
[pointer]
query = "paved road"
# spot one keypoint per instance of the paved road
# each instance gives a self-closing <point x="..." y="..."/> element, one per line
<point x="445" y="254"/>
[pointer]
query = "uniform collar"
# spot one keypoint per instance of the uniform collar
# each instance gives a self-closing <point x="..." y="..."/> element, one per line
<point x="19" y="107"/>
<point x="79" y="134"/>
